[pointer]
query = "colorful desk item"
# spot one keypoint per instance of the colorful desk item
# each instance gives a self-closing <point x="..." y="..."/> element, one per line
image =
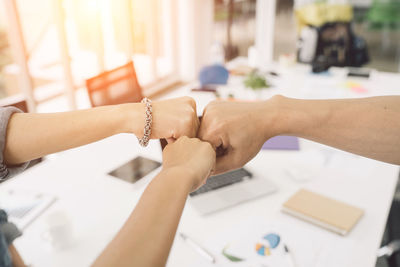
<point x="355" y="87"/>
<point x="264" y="247"/>
<point x="262" y="250"/>
<point x="273" y="240"/>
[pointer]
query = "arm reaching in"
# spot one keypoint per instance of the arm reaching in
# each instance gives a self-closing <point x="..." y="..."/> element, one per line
<point x="368" y="127"/>
<point x="31" y="136"/>
<point x="147" y="236"/>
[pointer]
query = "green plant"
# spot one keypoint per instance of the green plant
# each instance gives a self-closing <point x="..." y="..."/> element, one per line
<point x="256" y="81"/>
<point x="229" y="256"/>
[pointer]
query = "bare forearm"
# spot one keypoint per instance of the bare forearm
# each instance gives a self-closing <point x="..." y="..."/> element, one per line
<point x="31" y="136"/>
<point x="368" y="126"/>
<point x="147" y="236"/>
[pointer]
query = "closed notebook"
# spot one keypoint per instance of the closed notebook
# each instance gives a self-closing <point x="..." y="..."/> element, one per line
<point x="328" y="213"/>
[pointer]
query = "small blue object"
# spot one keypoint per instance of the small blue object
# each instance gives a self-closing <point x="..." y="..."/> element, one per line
<point x="214" y="74"/>
<point x="273" y="240"/>
<point x="261" y="251"/>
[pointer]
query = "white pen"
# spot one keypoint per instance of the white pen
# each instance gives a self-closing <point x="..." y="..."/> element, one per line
<point x="289" y="256"/>
<point x="203" y="252"/>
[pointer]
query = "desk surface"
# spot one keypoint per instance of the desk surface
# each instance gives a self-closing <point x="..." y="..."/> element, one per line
<point x="98" y="205"/>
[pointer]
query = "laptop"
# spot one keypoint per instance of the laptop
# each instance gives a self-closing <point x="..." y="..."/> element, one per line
<point x="229" y="189"/>
<point x="219" y="192"/>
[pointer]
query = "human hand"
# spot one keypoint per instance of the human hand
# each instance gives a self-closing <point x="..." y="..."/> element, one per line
<point x="194" y="157"/>
<point x="237" y="130"/>
<point x="174" y="118"/>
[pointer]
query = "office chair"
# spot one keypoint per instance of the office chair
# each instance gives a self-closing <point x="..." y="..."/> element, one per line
<point x="113" y="87"/>
<point x="17" y="101"/>
<point x="391" y="250"/>
<point x="116" y="86"/>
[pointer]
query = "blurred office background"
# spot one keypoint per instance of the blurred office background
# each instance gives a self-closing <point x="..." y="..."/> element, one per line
<point x="376" y="21"/>
<point x="63" y="43"/>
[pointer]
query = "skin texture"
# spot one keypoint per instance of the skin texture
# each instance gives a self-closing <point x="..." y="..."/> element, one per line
<point x="368" y="127"/>
<point x="234" y="129"/>
<point x="31" y="136"/>
<point x="187" y="164"/>
<point x="174" y="118"/>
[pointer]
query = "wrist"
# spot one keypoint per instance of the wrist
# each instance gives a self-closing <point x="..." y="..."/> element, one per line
<point x="290" y="116"/>
<point x="273" y="117"/>
<point x="184" y="177"/>
<point x="133" y="118"/>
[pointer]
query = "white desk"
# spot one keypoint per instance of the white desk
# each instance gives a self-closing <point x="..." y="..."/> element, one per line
<point x="98" y="204"/>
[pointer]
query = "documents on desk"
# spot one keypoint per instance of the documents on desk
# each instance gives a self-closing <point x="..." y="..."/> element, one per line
<point x="240" y="246"/>
<point x="23" y="207"/>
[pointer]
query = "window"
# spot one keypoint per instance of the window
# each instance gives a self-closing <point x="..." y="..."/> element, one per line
<point x="96" y="35"/>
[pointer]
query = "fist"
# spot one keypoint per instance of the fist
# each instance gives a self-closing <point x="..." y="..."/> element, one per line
<point x="174" y="118"/>
<point x="236" y="130"/>
<point x="195" y="157"/>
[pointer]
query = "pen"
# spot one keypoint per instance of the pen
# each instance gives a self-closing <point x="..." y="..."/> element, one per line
<point x="204" y="253"/>
<point x="289" y="256"/>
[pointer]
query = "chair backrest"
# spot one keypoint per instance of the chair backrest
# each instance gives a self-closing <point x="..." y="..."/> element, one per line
<point x="114" y="87"/>
<point x="17" y="101"/>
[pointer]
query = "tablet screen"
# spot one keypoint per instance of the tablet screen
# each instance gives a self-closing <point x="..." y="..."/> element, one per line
<point x="135" y="169"/>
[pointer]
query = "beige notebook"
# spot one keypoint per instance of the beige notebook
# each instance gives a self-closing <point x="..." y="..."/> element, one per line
<point x="328" y="213"/>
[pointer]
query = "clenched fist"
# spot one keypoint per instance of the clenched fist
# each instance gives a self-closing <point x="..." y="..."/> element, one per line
<point x="237" y="130"/>
<point x="197" y="158"/>
<point x="172" y="119"/>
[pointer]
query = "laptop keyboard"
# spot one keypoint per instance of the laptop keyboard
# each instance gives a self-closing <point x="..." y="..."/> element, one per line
<point x="222" y="180"/>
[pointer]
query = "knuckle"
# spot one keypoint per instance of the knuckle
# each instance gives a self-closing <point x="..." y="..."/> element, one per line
<point x="201" y="134"/>
<point x="205" y="135"/>
<point x="186" y="98"/>
<point x="208" y="119"/>
<point x="189" y="100"/>
<point x="214" y="105"/>
<point x="208" y="146"/>
<point x="187" y="129"/>
<point x="192" y="102"/>
<point x="186" y="120"/>
<point x="186" y="123"/>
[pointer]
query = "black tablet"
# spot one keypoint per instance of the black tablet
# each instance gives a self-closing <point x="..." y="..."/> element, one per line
<point x="135" y="169"/>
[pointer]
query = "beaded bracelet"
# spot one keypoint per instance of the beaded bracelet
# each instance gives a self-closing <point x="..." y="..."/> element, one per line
<point x="144" y="141"/>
